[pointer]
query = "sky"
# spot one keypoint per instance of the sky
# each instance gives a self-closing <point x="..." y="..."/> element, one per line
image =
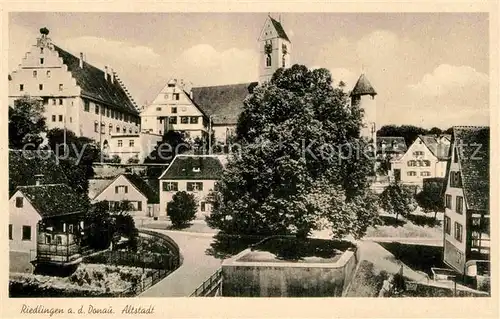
<point x="429" y="69"/>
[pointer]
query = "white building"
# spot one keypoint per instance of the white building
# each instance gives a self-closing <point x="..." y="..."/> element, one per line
<point x="76" y="95"/>
<point x="425" y="158"/>
<point x="195" y="174"/>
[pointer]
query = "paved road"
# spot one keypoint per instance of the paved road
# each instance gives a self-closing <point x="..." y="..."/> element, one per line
<point x="196" y="268"/>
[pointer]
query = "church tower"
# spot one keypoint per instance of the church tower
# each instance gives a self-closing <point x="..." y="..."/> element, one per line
<point x="274" y="49"/>
<point x="363" y="96"/>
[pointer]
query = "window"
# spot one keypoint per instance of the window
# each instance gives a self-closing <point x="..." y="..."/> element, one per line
<point x="139" y="206"/>
<point x="53" y="118"/>
<point x="411" y="173"/>
<point x="42" y="60"/>
<point x="447" y="225"/>
<point x="40" y="87"/>
<point x="194" y="120"/>
<point x="194" y="186"/>
<point x="70" y="229"/>
<point x="48" y="73"/>
<point x="19" y="202"/>
<point x="268" y="60"/>
<point x="459" y="202"/>
<point x="60" y="118"/>
<point x="202" y="206"/>
<point x="86" y="106"/>
<point x="121" y="189"/>
<point x="21" y="87"/>
<point x="108" y="112"/>
<point x="103" y="110"/>
<point x="174" y="110"/>
<point x="10" y="231"/>
<point x="426" y="163"/>
<point x="171" y="85"/>
<point x="458" y="232"/>
<point x="61" y="87"/>
<point x="175" y="96"/>
<point x="70" y="119"/>
<point x="41" y="50"/>
<point x="117" y="129"/>
<point x="158" y="108"/>
<point x="54" y="102"/>
<point x="96" y="109"/>
<point x="447" y="201"/>
<point x="35" y="74"/>
<point x="61" y="102"/>
<point x="96" y="126"/>
<point x="124" y="129"/>
<point x="126" y="189"/>
<point x="418" y="153"/>
<point x="48" y="239"/>
<point x="425" y="173"/>
<point x="455" y="179"/>
<point x="113" y="116"/>
<point x="411" y="163"/>
<point x="170" y="186"/>
<point x="58" y="240"/>
<point x="130" y="130"/>
<point x="172" y="120"/>
<point x="283" y="61"/>
<point x="131" y="143"/>
<point x="103" y="128"/>
<point x="110" y="129"/>
<point x="120" y="143"/>
<point x="184" y="119"/>
<point x="26" y="232"/>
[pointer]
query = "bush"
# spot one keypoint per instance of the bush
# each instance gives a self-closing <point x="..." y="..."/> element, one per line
<point x="182" y="209"/>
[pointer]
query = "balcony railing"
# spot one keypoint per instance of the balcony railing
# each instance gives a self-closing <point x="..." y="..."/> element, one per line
<point x="57" y="252"/>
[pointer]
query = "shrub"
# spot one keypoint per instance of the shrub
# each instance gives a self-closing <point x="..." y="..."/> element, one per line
<point x="182" y="209"/>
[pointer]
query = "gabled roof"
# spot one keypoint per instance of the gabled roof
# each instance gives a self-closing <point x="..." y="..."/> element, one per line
<point x="363" y="87"/>
<point x="279" y="29"/>
<point x="437" y="147"/>
<point x="223" y="102"/>
<point x="144" y="187"/>
<point x="94" y="85"/>
<point x="474" y="158"/>
<point x="97" y="186"/>
<point x="194" y="167"/>
<point x="391" y="144"/>
<point x="53" y="200"/>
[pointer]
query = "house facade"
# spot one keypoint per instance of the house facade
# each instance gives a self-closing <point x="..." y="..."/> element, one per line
<point x="425" y="158"/>
<point x="174" y="109"/>
<point x="46" y="222"/>
<point x="76" y="95"/>
<point x="194" y="174"/>
<point x="133" y="148"/>
<point x="467" y="217"/>
<point x="126" y="187"/>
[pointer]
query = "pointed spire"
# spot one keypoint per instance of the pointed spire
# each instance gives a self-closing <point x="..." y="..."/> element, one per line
<point x="363" y="87"/>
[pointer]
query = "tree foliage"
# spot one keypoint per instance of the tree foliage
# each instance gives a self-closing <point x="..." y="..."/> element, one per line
<point x="430" y="199"/>
<point x="182" y="209"/>
<point x="409" y="132"/>
<point x="26" y="123"/>
<point x="397" y="199"/>
<point x="301" y="164"/>
<point x="172" y="143"/>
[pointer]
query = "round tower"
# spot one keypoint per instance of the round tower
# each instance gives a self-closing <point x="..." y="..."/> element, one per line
<point x="363" y="96"/>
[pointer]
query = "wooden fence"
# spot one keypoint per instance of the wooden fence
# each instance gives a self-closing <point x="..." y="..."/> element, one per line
<point x="210" y="285"/>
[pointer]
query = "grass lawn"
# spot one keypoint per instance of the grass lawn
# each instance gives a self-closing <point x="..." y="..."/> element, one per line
<point x="367" y="281"/>
<point x="404" y="229"/>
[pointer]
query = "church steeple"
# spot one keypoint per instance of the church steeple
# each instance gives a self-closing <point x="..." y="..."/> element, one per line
<point x="275" y="49"/>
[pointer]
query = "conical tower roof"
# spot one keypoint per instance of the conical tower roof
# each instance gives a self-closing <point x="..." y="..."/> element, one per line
<point x="363" y="87"/>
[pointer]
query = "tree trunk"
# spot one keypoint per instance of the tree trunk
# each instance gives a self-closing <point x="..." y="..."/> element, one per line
<point x="397" y="214"/>
<point x="435" y="215"/>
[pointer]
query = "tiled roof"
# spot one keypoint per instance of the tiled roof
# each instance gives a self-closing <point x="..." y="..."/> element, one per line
<point x="474" y="159"/>
<point x="144" y="187"/>
<point x="391" y="144"/>
<point x="24" y="165"/>
<point x="363" y="87"/>
<point x="438" y="148"/>
<point x="223" y="102"/>
<point x="97" y="186"/>
<point x="94" y="85"/>
<point x="279" y="28"/>
<point x="194" y="167"/>
<point x="53" y="199"/>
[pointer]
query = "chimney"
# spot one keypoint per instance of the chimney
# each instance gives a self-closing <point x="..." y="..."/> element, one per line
<point x="112" y="75"/>
<point x="38" y="179"/>
<point x="106" y="73"/>
<point x="81" y="59"/>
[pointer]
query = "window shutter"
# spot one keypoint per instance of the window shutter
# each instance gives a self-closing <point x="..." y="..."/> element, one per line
<point x="116" y="189"/>
<point x="126" y="189"/>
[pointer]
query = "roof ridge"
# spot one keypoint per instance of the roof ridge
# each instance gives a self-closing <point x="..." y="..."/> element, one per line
<point x="56" y="184"/>
<point x="222" y="85"/>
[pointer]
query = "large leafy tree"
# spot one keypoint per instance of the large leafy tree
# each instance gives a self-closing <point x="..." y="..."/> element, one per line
<point x="26" y="122"/>
<point x="172" y="143"/>
<point x="398" y="199"/>
<point x="430" y="199"/>
<point x="182" y="209"/>
<point x="409" y="132"/>
<point x="301" y="165"/>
